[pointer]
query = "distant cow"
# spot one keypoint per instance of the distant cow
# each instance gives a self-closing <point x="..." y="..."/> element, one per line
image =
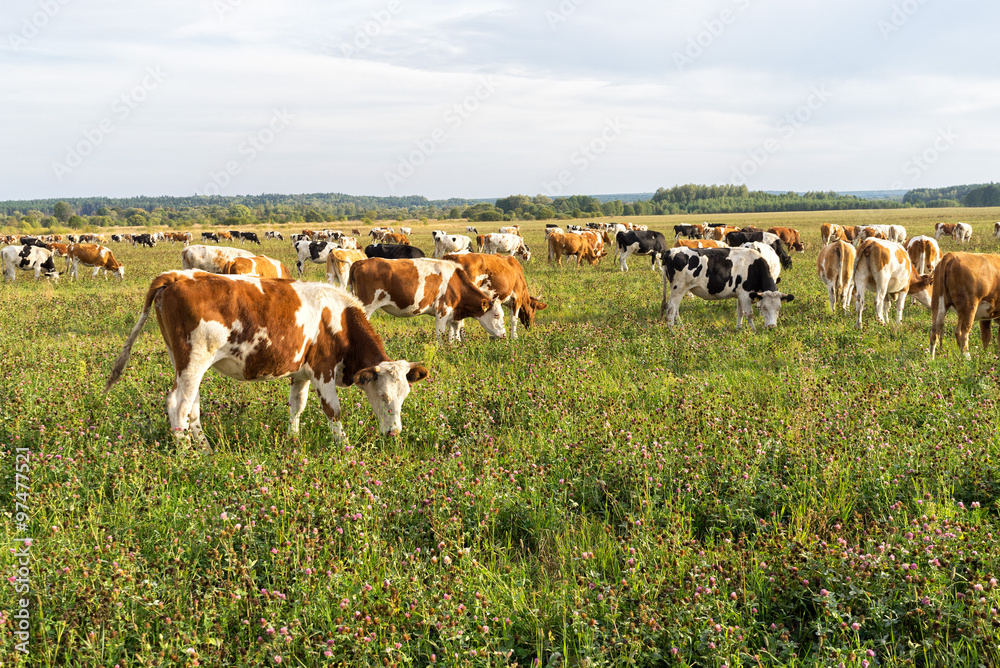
<point x="510" y="229"/>
<point x="92" y="255"/>
<point x="273" y="234"/>
<point x="639" y="243"/>
<point x="213" y="259"/>
<point x="424" y="286"/>
<point x="719" y="231"/>
<point x="830" y="232"/>
<point x="721" y="273"/>
<point x="884" y="268"/>
<point x="689" y="231"/>
<point x="924" y="253"/>
<point x="393" y="238"/>
<point x="835" y="265"/>
<point x="249" y="236"/>
<point x="143" y="240"/>
<point x="406" y="230"/>
<point x="509" y="243"/>
<point x="969" y="283"/>
<point x="28" y="258"/>
<point x="960" y="232"/>
<point x="393" y="252"/>
<point x="209" y="236"/>
<point x="257" y="329"/>
<point x="790" y="237"/>
<point x="311" y="251"/>
<point x="700" y="243"/>
<point x="996" y="230"/>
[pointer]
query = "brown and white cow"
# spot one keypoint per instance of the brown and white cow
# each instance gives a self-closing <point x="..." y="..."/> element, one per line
<point x="92" y="255"/>
<point x="924" y="253"/>
<point x="338" y="265"/>
<point x="425" y="286"/>
<point x="213" y="259"/>
<point x="700" y="243"/>
<point x="572" y="245"/>
<point x="961" y="232"/>
<point x="510" y="244"/>
<point x="850" y="232"/>
<point x="883" y="267"/>
<point x="996" y="230"/>
<point x="260" y="266"/>
<point x="393" y="238"/>
<point x="830" y="232"/>
<point x="184" y="237"/>
<point x="790" y="236"/>
<point x="510" y="229"/>
<point x="970" y="284"/>
<point x="502" y="278"/>
<point x="222" y="234"/>
<point x="719" y="232"/>
<point x="259" y="329"/>
<point x="598" y="240"/>
<point x="836" y="269"/>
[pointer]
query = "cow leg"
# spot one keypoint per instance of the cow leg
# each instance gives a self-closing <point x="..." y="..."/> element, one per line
<point x="744" y="306"/>
<point x="74" y="269"/>
<point x="330" y="404"/>
<point x="859" y="304"/>
<point x="97" y="269"/>
<point x="180" y="403"/>
<point x="900" y="303"/>
<point x="831" y="293"/>
<point x="514" y="314"/>
<point x="297" y="397"/>
<point x="962" y="329"/>
<point x="194" y="420"/>
<point x="985" y="333"/>
<point x="938" y="312"/>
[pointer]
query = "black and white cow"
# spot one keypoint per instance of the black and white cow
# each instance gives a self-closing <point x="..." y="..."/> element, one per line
<point x="639" y="243"/>
<point x="28" y="258"/>
<point x="143" y="240"/>
<point x="32" y="241"/>
<point x="313" y="251"/>
<point x="393" y="251"/>
<point x="209" y="236"/>
<point x="272" y="234"/>
<point x="249" y="236"/>
<point x="689" y="231"/>
<point x="721" y="273"/>
<point x="737" y="239"/>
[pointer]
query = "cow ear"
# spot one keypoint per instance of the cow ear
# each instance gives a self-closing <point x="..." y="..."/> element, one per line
<point x="539" y="305"/>
<point x="755" y="297"/>
<point x="778" y="280"/>
<point x="485" y="305"/>
<point x="365" y="376"/>
<point x="416" y="373"/>
<point x="787" y="298"/>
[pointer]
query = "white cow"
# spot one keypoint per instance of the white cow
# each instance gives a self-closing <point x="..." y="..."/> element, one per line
<point x="451" y="243"/>
<point x="213" y="259"/>
<point x="511" y="244"/>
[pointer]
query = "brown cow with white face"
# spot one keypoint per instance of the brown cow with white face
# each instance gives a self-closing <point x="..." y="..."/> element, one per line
<point x="883" y="267"/>
<point x="502" y="278"/>
<point x="92" y="255"/>
<point x="424" y="286"/>
<point x="260" y="329"/>
<point x="970" y="284"/>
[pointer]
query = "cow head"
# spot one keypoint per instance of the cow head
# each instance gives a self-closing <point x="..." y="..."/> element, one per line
<point x="920" y="289"/>
<point x="527" y="313"/>
<point x="386" y="385"/>
<point x="524" y="252"/>
<point x="769" y="304"/>
<point x="492" y="318"/>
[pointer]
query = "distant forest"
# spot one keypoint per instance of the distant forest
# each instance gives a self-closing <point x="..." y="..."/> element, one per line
<point x="319" y="208"/>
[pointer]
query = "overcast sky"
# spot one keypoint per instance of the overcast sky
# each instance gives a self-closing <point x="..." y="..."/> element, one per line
<point x="484" y="99"/>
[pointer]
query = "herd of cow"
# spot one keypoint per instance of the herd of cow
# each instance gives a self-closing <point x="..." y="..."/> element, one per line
<point x="220" y="310"/>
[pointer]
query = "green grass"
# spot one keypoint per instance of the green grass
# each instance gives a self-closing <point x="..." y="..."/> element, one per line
<point x="605" y="490"/>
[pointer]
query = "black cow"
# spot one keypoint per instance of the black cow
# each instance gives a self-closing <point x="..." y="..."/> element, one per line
<point x="209" y="236"/>
<point x="143" y="240"/>
<point x="689" y="231"/>
<point x="721" y="273"/>
<point x="393" y="251"/>
<point x="116" y="237"/>
<point x="249" y="236"/>
<point x="639" y="243"/>
<point x="737" y="239"/>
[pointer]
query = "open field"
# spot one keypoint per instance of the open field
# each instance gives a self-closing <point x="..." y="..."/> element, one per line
<point x="604" y="490"/>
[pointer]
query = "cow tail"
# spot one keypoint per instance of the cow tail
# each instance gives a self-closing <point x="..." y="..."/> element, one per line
<point x="158" y="285"/>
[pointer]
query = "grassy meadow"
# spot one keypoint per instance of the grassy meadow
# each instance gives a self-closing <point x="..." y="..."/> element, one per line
<point x="602" y="491"/>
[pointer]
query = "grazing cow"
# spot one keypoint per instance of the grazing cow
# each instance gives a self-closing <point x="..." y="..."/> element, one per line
<point x="213" y="259"/>
<point x="338" y="265"/>
<point x="689" y="231"/>
<point x="721" y="273"/>
<point x="209" y="236"/>
<point x="470" y="228"/>
<point x="597" y="240"/>
<point x="273" y="234"/>
<point x="392" y="238"/>
<point x="356" y="232"/>
<point x="510" y="229"/>
<point x="835" y="265"/>
<point x="502" y="278"/>
<point x="924" y="253"/>
<point x="348" y="243"/>
<point x="393" y="252"/>
<point x="996" y="230"/>
<point x="142" y="240"/>
<point x="60" y="250"/>
<point x="883" y="267"/>
<point x="969" y="283"/>
<point x="639" y="243"/>
<point x="451" y="243"/>
<point x="116" y="238"/>
<point x="406" y="230"/>
<point x="736" y="239"/>
<point x="313" y="251"/>
<point x="719" y="232"/>
<point x="425" y="286"/>
<point x="790" y="237"/>
<point x="700" y="243"/>
<point x="249" y="236"/>
<point x="830" y="232"/>
<point x="570" y="245"/>
<point x="174" y="237"/>
<point x="961" y="232"/>
<point x="28" y="258"/>
<point x="92" y="255"/>
<point x="258" y="329"/>
<point x="260" y="266"/>
<point x="511" y="244"/>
